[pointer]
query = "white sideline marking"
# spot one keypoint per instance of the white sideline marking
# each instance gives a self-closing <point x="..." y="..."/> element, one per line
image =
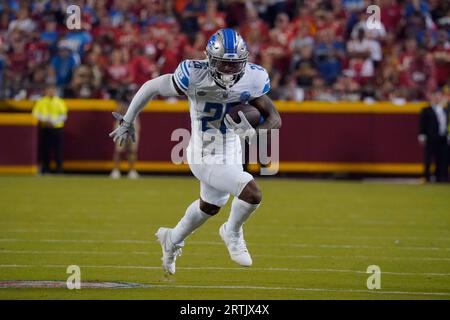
<point x="249" y="287"/>
<point x="306" y="270"/>
<point x="313" y="225"/>
<point x="75" y="241"/>
<point x="333" y="246"/>
<point x="94" y="232"/>
<point x="65" y="252"/>
<point x="352" y="256"/>
<point x="295" y="245"/>
<point x="374" y="237"/>
<point x="301" y="289"/>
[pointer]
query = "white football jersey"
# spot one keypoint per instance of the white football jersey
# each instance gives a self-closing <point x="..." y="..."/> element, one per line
<point x="209" y="103"/>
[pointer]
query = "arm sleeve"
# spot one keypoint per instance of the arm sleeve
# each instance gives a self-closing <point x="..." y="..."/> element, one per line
<point x="159" y="86"/>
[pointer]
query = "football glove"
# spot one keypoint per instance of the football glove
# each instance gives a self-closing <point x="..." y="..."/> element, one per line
<point x="243" y="128"/>
<point x="124" y="131"/>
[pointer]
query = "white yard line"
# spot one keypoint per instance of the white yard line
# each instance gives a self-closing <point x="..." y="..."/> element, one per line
<point x="306" y="270"/>
<point x="294" y="245"/>
<point x="300" y="289"/>
<point x="74" y="241"/>
<point x="331" y="246"/>
<point x="69" y="231"/>
<point x="354" y="223"/>
<point x="145" y="253"/>
<point x="257" y="234"/>
<point x="262" y="288"/>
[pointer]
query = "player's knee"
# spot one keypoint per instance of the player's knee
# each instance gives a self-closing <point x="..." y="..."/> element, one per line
<point x="251" y="193"/>
<point x="208" y="208"/>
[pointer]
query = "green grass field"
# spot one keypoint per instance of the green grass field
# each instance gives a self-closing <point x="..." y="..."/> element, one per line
<point x="309" y="240"/>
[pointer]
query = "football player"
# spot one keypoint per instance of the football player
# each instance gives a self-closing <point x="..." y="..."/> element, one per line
<point x="213" y="86"/>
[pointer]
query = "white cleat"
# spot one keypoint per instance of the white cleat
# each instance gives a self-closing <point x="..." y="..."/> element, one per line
<point x="115" y="174"/>
<point x="133" y="174"/>
<point x="236" y="246"/>
<point x="170" y="251"/>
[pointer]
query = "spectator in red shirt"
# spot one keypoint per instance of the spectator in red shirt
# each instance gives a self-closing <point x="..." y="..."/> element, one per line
<point x="391" y="15"/>
<point x="17" y="58"/>
<point x="197" y="48"/>
<point x="304" y="19"/>
<point x="127" y="35"/>
<point x="254" y="24"/>
<point x="143" y="66"/>
<point x="118" y="76"/>
<point x="235" y="13"/>
<point x="441" y="55"/>
<point x="275" y="53"/>
<point x="170" y="56"/>
<point x="255" y="43"/>
<point x="417" y="71"/>
<point x="105" y="29"/>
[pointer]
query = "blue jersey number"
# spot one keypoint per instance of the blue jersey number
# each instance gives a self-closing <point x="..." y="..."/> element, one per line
<point x="255" y="66"/>
<point x="219" y="113"/>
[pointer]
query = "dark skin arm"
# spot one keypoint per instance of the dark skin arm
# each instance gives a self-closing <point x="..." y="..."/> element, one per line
<point x="265" y="106"/>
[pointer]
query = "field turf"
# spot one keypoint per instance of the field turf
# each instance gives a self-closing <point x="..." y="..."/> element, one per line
<point x="309" y="239"/>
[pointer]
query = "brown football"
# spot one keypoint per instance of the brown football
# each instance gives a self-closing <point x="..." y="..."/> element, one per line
<point x="251" y="113"/>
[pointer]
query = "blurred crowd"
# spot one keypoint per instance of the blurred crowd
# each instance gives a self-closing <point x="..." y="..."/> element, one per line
<point x="313" y="49"/>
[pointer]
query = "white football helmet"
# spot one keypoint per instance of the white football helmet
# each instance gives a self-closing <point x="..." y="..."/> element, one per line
<point x="227" y="54"/>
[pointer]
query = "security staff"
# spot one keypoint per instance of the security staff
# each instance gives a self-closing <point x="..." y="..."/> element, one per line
<point x="51" y="111"/>
<point x="433" y="136"/>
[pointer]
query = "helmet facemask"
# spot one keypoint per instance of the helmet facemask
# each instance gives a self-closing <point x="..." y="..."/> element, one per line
<point x="226" y="72"/>
<point x="227" y="55"/>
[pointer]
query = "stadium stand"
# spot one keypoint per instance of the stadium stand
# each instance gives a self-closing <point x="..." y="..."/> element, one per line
<point x="313" y="50"/>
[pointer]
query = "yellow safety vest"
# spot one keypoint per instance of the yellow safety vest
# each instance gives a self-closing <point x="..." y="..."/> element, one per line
<point x="51" y="109"/>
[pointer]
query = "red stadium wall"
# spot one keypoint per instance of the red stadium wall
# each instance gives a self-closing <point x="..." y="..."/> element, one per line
<point x="315" y="137"/>
<point x="18" y="141"/>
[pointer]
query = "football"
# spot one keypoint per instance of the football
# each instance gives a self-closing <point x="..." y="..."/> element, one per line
<point x="251" y="113"/>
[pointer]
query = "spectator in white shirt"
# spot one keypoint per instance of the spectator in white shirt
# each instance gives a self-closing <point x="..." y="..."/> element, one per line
<point x="364" y="54"/>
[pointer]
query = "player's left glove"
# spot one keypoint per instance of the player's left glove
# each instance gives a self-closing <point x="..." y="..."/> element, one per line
<point x="124" y="131"/>
<point x="243" y="128"/>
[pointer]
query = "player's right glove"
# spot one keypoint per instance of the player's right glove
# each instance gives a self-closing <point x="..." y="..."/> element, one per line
<point x="243" y="129"/>
<point x="124" y="131"/>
